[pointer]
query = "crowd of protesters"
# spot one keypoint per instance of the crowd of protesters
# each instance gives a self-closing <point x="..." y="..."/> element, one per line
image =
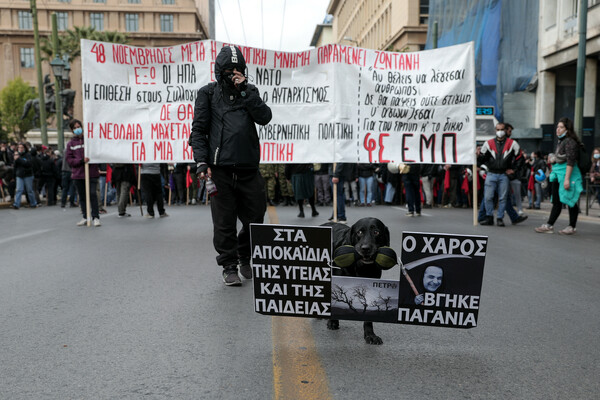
<point x="39" y="172"/>
<point x="44" y="172"/>
<point x="36" y="173"/>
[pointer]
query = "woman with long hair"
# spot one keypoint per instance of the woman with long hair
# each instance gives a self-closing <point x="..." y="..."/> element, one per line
<point x="565" y="179"/>
<point x="595" y="171"/>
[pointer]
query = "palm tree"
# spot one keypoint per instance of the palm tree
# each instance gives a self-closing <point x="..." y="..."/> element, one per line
<point x="69" y="41"/>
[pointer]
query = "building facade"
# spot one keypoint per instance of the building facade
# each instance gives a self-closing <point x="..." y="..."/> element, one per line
<point x="146" y="22"/>
<point x="392" y="25"/>
<point x="557" y="69"/>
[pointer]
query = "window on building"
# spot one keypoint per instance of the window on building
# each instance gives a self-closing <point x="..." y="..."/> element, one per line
<point x="424" y="12"/>
<point x="168" y="1"/>
<point x="166" y="23"/>
<point x="549" y="14"/>
<point x="64" y="1"/>
<point x="62" y="21"/>
<point x="131" y="22"/>
<point x="97" y="21"/>
<point x="133" y="1"/>
<point x="25" y="20"/>
<point x="27" y="59"/>
<point x="99" y="1"/>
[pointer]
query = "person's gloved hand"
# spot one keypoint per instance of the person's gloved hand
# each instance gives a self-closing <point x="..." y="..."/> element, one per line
<point x="419" y="299"/>
<point x="201" y="168"/>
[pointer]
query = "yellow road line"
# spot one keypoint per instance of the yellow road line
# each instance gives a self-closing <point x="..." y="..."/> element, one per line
<point x="297" y="369"/>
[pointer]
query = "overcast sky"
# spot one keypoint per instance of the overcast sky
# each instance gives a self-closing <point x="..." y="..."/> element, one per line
<point x="297" y="20"/>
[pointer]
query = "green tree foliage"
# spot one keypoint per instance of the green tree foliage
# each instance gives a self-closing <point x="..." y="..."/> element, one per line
<point x="12" y="101"/>
<point x="69" y="41"/>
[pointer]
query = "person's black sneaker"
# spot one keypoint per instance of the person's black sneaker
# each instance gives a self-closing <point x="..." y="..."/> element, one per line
<point x="499" y="222"/>
<point x="231" y="277"/>
<point x="246" y="271"/>
<point x="342" y="220"/>
<point x="520" y="219"/>
<point x="315" y="213"/>
<point x="301" y="214"/>
<point x="487" y="221"/>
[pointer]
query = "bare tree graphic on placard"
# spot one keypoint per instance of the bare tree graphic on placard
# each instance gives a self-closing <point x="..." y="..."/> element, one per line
<point x="340" y="294"/>
<point x="385" y="301"/>
<point x="360" y="292"/>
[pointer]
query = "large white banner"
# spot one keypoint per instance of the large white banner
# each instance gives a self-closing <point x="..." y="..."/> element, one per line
<point x="330" y="104"/>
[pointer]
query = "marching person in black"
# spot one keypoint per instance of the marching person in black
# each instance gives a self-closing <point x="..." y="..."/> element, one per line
<point x="227" y="150"/>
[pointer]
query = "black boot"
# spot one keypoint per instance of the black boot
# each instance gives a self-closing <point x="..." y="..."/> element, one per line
<point x="311" y="201"/>
<point x="487" y="221"/>
<point x="499" y="222"/>
<point x="301" y="206"/>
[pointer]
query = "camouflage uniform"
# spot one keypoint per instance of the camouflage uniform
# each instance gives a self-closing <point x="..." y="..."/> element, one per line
<point x="268" y="173"/>
<point x="284" y="185"/>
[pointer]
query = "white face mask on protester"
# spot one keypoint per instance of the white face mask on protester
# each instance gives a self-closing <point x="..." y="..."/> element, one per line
<point x="500" y="134"/>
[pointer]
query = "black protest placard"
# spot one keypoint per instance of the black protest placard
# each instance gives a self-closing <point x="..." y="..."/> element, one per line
<point x="292" y="270"/>
<point x="441" y="279"/>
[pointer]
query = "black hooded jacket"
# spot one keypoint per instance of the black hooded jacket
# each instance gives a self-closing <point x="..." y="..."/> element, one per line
<point x="224" y="132"/>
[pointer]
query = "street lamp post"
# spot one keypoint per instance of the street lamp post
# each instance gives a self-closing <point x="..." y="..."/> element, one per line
<point x="60" y="69"/>
<point x="57" y="70"/>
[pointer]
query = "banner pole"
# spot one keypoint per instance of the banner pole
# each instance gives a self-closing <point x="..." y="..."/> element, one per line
<point x="139" y="183"/>
<point x="334" y="197"/>
<point x="88" y="203"/>
<point x="475" y="197"/>
<point x="105" y="192"/>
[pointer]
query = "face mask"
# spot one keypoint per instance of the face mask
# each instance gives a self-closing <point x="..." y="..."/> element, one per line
<point x="563" y="135"/>
<point x="596" y="156"/>
<point x="78" y="131"/>
<point x="500" y="134"/>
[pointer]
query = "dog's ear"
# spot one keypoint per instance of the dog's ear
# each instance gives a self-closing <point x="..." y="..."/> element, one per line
<point x="352" y="236"/>
<point x="386" y="235"/>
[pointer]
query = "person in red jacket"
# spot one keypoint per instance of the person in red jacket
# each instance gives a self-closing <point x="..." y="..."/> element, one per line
<point x="75" y="155"/>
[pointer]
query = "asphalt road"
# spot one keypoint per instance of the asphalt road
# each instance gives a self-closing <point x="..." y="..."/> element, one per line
<point x="136" y="309"/>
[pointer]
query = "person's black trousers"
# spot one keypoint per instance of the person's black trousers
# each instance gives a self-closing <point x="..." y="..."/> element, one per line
<point x="241" y="195"/>
<point x="80" y="185"/>
<point x="153" y="191"/>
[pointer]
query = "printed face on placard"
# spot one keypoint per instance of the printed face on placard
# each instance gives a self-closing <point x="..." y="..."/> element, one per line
<point x="432" y="278"/>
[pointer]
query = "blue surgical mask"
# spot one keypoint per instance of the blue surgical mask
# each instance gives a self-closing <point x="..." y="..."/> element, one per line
<point x="563" y="135"/>
<point x="78" y="131"/>
<point x="596" y="156"/>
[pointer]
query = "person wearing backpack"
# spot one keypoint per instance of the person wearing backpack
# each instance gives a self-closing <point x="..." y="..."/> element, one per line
<point x="227" y="150"/>
<point x="565" y="179"/>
